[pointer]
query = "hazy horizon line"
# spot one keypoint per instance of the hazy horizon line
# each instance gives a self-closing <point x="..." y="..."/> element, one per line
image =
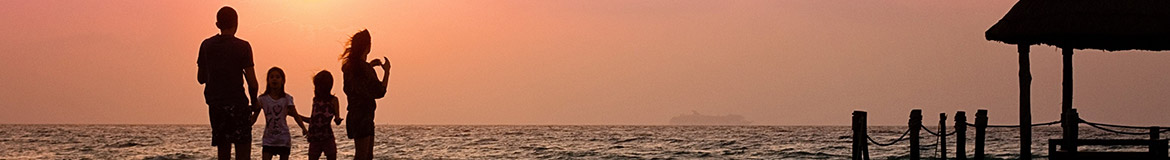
<point x="390" y="124"/>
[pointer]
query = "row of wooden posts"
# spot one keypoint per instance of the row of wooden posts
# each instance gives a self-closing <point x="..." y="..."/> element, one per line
<point x="860" y="134"/>
<point x="1068" y="145"/>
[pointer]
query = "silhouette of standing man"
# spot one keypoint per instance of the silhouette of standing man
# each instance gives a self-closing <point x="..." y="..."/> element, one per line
<point x="223" y="61"/>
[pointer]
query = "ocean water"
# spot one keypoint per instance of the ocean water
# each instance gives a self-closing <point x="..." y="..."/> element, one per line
<point x="156" y="142"/>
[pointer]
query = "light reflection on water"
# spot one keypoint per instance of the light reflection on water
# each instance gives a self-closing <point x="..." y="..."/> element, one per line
<point x="511" y="142"/>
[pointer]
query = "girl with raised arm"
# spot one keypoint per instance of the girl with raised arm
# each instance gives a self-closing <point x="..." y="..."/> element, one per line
<point x="361" y="88"/>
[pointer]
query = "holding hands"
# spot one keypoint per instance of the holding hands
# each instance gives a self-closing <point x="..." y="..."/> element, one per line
<point x="255" y="113"/>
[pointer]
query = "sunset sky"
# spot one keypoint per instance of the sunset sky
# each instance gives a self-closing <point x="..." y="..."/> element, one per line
<point x="567" y="62"/>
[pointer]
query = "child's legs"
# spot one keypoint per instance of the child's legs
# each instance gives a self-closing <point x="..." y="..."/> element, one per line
<point x="330" y="151"/>
<point x="364" y="148"/>
<point x="327" y="147"/>
<point x="265" y="155"/>
<point x="315" y="150"/>
<point x="224" y="151"/>
<point x="269" y="151"/>
<point x="244" y="150"/>
<point x="314" y="155"/>
<point x="359" y="148"/>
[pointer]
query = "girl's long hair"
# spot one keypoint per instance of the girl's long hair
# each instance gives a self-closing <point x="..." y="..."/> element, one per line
<point x="360" y="42"/>
<point x="268" y="88"/>
<point x="322" y="85"/>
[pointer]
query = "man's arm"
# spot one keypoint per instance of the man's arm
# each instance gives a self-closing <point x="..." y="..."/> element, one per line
<point x="250" y="76"/>
<point x="200" y="76"/>
<point x="255" y="114"/>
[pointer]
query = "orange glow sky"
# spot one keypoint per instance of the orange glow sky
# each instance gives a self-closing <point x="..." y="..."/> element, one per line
<point x="777" y="62"/>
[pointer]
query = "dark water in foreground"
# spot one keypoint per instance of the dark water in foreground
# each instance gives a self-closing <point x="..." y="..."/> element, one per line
<point x="508" y="142"/>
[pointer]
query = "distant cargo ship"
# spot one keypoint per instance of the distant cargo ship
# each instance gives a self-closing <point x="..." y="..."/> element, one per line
<point x="699" y="119"/>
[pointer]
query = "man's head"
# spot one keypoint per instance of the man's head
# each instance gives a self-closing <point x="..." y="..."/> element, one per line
<point x="226" y="20"/>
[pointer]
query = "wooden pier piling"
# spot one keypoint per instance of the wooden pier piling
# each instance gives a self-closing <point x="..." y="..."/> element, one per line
<point x="1057" y="148"/>
<point x="915" y="124"/>
<point x="1157" y="150"/>
<point x="942" y="135"/>
<point x="1154" y="131"/>
<point x="961" y="135"/>
<point x="980" y="133"/>
<point x="859" y="135"/>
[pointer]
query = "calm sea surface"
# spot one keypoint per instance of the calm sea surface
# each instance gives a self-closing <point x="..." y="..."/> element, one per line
<point x="509" y="142"/>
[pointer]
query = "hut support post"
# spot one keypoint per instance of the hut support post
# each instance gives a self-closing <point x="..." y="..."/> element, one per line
<point x="1068" y="118"/>
<point x="1025" y="103"/>
<point x="860" y="145"/>
<point x="942" y="138"/>
<point x="1156" y="149"/>
<point x="915" y="125"/>
<point x="961" y="135"/>
<point x="980" y="133"/>
<point x="1069" y="124"/>
<point x="1154" y="133"/>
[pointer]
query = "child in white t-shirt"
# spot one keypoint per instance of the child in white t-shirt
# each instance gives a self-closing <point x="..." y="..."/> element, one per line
<point x="277" y="105"/>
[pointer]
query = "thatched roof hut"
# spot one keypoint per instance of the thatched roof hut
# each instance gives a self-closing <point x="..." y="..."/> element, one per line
<point x="1110" y="25"/>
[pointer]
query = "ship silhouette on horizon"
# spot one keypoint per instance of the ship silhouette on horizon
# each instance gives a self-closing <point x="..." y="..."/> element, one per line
<point x="696" y="118"/>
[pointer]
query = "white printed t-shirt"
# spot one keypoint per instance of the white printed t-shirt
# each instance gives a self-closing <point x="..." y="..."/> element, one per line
<point x="276" y="128"/>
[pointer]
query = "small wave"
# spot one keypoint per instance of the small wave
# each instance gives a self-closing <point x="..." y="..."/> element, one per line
<point x="727" y="143"/>
<point x="172" y="156"/>
<point x="487" y="140"/>
<point x="629" y="140"/>
<point x="835" y="148"/>
<point x="691" y="154"/>
<point x="458" y="135"/>
<point x="125" y="144"/>
<point x="814" y="155"/>
<point x="735" y="151"/>
<point x="571" y="154"/>
<point x="561" y="154"/>
<point x="81" y="148"/>
<point x="483" y="141"/>
<point x="536" y="149"/>
<point x="621" y="157"/>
